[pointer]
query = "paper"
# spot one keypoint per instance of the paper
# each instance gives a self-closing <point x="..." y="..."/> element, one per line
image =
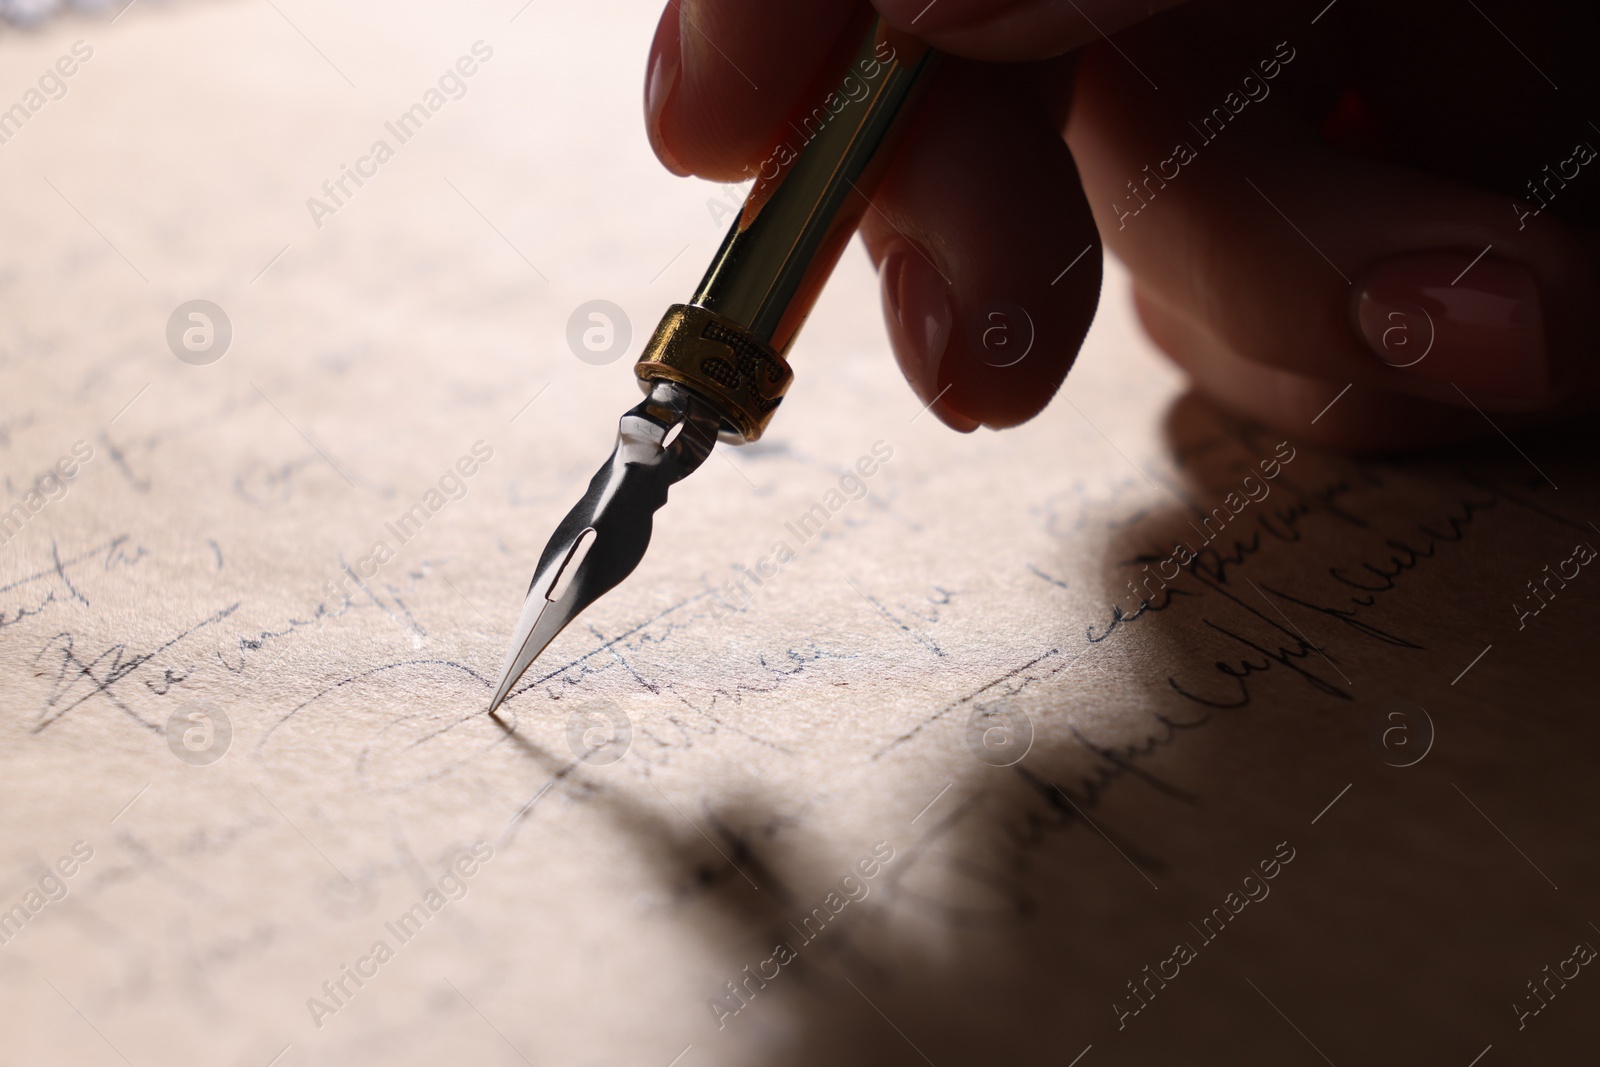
<point x="921" y="794"/>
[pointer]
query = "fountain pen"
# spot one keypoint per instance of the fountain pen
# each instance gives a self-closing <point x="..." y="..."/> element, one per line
<point x="715" y="368"/>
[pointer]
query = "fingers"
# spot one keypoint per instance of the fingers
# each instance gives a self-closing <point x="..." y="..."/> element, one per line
<point x="986" y="248"/>
<point x="1280" y="251"/>
<point x="724" y="76"/>
<point x="978" y="214"/>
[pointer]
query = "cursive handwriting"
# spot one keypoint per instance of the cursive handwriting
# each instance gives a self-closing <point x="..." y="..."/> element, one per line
<point x="80" y="677"/>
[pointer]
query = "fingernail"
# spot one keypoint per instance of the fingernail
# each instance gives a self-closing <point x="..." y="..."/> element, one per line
<point x="666" y="61"/>
<point x="917" y="300"/>
<point x="1445" y="316"/>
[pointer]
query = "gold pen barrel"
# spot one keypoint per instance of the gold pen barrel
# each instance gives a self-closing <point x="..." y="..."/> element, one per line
<point x="809" y="195"/>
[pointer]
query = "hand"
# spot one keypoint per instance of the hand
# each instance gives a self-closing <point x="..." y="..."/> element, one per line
<point x="1303" y="205"/>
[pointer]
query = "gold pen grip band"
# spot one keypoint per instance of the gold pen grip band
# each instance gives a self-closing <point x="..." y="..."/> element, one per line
<point x="722" y="361"/>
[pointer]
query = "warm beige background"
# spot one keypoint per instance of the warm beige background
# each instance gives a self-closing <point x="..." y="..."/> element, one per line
<point x="786" y="741"/>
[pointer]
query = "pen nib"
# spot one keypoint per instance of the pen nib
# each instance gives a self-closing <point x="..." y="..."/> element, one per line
<point x="659" y="442"/>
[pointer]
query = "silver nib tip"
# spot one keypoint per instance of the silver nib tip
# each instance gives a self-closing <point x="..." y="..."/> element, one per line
<point x="659" y="442"/>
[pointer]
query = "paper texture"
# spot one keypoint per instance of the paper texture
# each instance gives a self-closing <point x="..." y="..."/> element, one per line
<point x="813" y="803"/>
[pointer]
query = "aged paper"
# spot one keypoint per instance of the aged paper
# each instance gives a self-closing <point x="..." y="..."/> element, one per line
<point x="962" y="779"/>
